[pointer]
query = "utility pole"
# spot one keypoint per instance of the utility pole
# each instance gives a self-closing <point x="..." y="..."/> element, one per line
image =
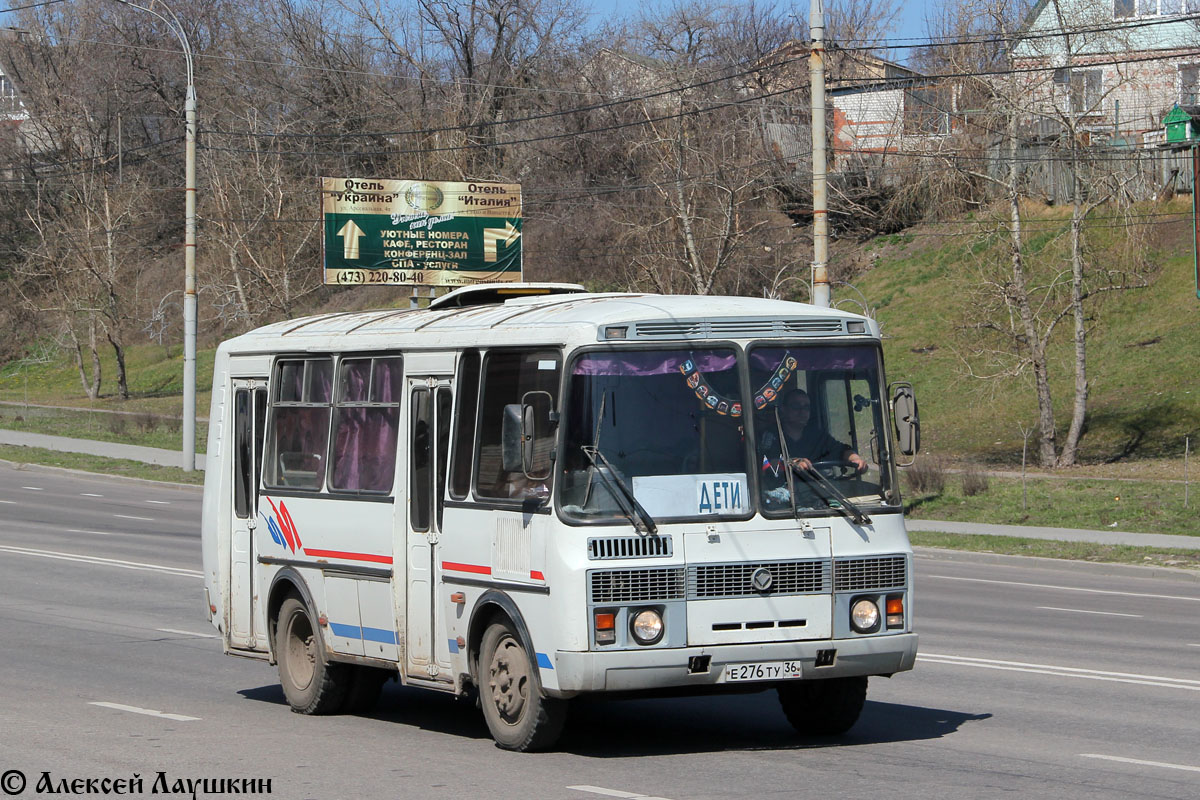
<point x="189" y="232"/>
<point x="816" y="76"/>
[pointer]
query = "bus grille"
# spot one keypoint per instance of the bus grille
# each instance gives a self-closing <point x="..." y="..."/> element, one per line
<point x="737" y="580"/>
<point x="868" y="574"/>
<point x="629" y="547"/>
<point x="636" y="585"/>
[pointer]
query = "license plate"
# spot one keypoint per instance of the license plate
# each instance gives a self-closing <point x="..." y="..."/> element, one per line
<point x="761" y="671"/>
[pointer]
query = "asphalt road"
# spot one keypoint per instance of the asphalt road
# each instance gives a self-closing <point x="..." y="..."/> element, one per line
<point x="1035" y="680"/>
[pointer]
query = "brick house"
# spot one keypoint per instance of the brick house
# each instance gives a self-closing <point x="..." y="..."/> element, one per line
<point x="1115" y="67"/>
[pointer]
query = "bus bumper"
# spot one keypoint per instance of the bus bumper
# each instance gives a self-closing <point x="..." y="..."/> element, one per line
<point x="633" y="670"/>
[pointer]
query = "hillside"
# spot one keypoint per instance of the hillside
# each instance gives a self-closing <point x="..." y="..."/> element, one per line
<point x="922" y="288"/>
<point x="1142" y="347"/>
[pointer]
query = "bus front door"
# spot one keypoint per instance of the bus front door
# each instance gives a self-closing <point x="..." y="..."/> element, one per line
<point x="430" y="402"/>
<point x="249" y="416"/>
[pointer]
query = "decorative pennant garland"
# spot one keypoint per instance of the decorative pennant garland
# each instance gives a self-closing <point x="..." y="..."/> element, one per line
<point x="768" y="393"/>
<point x="705" y="393"/>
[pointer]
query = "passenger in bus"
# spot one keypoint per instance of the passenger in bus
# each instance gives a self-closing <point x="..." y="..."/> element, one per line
<point x="807" y="443"/>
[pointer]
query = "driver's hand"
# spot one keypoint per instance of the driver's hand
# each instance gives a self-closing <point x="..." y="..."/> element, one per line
<point x="801" y="463"/>
<point x="858" y="461"/>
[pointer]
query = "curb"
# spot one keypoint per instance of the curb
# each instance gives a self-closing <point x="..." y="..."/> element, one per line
<point x="1042" y="562"/>
<point x="19" y="466"/>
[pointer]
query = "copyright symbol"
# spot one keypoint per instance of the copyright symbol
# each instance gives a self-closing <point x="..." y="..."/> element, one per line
<point x="12" y="782"/>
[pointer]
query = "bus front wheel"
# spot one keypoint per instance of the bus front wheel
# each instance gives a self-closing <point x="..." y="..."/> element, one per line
<point x="311" y="684"/>
<point x="518" y="715"/>
<point x="823" y="708"/>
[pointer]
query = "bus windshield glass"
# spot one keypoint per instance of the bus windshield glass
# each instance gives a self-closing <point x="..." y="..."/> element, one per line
<point x="668" y="424"/>
<point x="821" y="409"/>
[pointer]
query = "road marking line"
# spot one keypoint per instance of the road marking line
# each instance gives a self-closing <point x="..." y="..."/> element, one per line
<point x="97" y="533"/>
<point x="189" y="633"/>
<point x="1069" y="588"/>
<point x="615" y="792"/>
<point x="108" y="562"/>
<point x="1086" y="611"/>
<point x="1139" y="761"/>
<point x="9" y="502"/>
<point x="90" y="494"/>
<point x="34" y="488"/>
<point x="160" y="502"/>
<point x="1063" y="672"/>
<point x="1194" y="645"/>
<point x="147" y="711"/>
<point x="140" y="519"/>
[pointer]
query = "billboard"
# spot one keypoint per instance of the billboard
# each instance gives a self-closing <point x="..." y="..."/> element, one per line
<point x="420" y="233"/>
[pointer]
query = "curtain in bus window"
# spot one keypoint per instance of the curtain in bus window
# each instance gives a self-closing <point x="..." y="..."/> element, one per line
<point x="364" y="450"/>
<point x="652" y="363"/>
<point x="356" y="375"/>
<point x="387" y="381"/>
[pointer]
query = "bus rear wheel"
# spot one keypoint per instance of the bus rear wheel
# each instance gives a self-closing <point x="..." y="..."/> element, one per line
<point x="823" y="708"/>
<point x="518" y="715"/>
<point x="311" y="684"/>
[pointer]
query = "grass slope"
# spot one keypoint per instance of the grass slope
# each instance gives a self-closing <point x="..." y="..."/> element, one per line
<point x="1143" y="348"/>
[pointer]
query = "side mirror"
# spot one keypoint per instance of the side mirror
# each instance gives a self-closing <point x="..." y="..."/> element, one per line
<point x="510" y="438"/>
<point x="537" y="434"/>
<point x="526" y="436"/>
<point x="906" y="418"/>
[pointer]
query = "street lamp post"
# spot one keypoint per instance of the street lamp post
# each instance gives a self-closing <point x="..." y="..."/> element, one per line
<point x="189" y="235"/>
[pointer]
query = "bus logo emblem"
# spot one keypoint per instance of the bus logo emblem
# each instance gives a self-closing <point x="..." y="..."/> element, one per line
<point x="762" y="579"/>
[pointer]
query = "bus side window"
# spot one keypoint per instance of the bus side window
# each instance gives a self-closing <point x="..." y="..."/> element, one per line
<point x="299" y="435"/>
<point x="467" y="389"/>
<point x="366" y="420"/>
<point x="509" y="375"/>
<point x="241" y="454"/>
<point x="444" y="402"/>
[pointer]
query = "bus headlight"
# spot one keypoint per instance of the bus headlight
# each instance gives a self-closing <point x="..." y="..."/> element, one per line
<point x="864" y="615"/>
<point x="646" y="626"/>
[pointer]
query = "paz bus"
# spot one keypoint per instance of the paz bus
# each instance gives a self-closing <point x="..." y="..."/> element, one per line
<point x="532" y="492"/>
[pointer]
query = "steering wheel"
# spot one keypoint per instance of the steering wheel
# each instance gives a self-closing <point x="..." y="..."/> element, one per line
<point x="836" y="469"/>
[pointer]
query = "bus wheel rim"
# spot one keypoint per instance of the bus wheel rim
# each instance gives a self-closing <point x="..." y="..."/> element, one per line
<point x="509" y="680"/>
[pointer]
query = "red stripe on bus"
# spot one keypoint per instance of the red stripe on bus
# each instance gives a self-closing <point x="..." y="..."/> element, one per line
<point x="349" y="556"/>
<point x="450" y="565"/>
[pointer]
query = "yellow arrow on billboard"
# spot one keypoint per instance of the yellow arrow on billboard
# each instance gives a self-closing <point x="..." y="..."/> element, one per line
<point x="508" y="234"/>
<point x="350" y="234"/>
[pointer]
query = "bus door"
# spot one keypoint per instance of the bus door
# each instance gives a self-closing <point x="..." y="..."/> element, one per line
<point x="430" y="403"/>
<point x="249" y="421"/>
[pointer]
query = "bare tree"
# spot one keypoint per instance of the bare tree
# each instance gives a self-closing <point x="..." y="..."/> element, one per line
<point x="1039" y="291"/>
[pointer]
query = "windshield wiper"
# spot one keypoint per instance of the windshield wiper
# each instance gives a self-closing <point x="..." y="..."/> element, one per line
<point x="830" y="494"/>
<point x="630" y="507"/>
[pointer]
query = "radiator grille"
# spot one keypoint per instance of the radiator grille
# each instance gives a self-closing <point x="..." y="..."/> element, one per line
<point x="737" y="580"/>
<point x="629" y="547"/>
<point x="636" y="585"/>
<point x="737" y="328"/>
<point x="868" y="574"/>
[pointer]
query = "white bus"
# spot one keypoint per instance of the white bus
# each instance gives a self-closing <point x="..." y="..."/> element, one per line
<point x="533" y="492"/>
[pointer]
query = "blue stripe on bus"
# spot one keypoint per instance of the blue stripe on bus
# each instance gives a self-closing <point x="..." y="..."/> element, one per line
<point x="543" y="661"/>
<point x="347" y="631"/>
<point x="379" y="635"/>
<point x="453" y="645"/>
<point x="369" y="634"/>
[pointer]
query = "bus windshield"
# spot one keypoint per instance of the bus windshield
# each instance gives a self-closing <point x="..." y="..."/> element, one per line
<point x="668" y="423"/>
<point x="670" y="427"/>
<point x="821" y="408"/>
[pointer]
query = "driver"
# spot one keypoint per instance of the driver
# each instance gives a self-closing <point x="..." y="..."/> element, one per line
<point x="806" y="443"/>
